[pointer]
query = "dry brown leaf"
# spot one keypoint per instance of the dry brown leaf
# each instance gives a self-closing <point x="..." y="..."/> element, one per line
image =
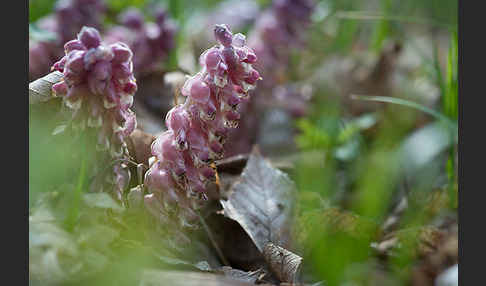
<point x="261" y="202"/>
<point x="233" y="164"/>
<point x="40" y="89"/>
<point x="285" y="264"/>
<point x="438" y="259"/>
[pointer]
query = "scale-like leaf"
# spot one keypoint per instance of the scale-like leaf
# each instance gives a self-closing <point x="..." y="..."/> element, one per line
<point x="261" y="202"/>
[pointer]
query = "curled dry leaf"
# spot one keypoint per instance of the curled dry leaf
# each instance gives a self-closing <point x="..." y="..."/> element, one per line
<point x="40" y="90"/>
<point x="285" y="264"/>
<point x="233" y="164"/>
<point x="261" y="202"/>
<point x="236" y="245"/>
<point x="236" y="164"/>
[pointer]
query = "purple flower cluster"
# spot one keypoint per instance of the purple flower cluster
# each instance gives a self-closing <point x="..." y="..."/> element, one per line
<point x="41" y="56"/>
<point x="197" y="128"/>
<point x="69" y="17"/>
<point x="98" y="86"/>
<point x="277" y="31"/>
<point x="235" y="13"/>
<point x="149" y="41"/>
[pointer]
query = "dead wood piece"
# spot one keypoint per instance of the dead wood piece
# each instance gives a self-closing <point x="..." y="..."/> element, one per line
<point x="285" y="264"/>
<point x="40" y="90"/>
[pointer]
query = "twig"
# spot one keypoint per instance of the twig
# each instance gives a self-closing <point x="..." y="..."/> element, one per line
<point x="211" y="238"/>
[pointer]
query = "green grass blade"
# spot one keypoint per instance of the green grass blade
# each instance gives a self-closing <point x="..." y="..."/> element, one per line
<point x="73" y="212"/>
<point x="404" y="102"/>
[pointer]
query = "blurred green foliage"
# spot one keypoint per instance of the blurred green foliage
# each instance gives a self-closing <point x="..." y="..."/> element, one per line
<point x="40" y="8"/>
<point x="393" y="155"/>
<point x="373" y="176"/>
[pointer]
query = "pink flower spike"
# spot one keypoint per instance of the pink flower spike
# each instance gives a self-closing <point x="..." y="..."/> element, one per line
<point x="98" y="86"/>
<point x="197" y="128"/>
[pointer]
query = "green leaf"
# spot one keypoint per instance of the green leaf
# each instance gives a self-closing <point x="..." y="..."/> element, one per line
<point x="40" y="8"/>
<point x="382" y="29"/>
<point x="450" y="100"/>
<point x="424" y="145"/>
<point x="312" y="137"/>
<point x="352" y="128"/>
<point x="119" y="5"/>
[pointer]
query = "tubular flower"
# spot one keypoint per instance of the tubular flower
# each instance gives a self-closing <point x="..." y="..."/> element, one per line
<point x="197" y="128"/>
<point x="149" y="41"/>
<point x="72" y="15"/>
<point x="237" y="14"/>
<point x="98" y="86"/>
<point x="277" y="31"/>
<point x="68" y="18"/>
<point x="41" y="56"/>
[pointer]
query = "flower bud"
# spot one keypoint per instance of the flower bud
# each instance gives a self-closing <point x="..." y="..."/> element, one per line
<point x="150" y="42"/>
<point x="74" y="45"/>
<point x="223" y="35"/>
<point x="131" y="18"/>
<point x="90" y="37"/>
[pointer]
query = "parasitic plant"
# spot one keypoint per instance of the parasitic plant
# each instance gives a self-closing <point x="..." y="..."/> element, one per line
<point x="72" y="15"/>
<point x="68" y="18"/>
<point x="150" y="42"/>
<point x="98" y="87"/>
<point x="277" y="31"/>
<point x="181" y="167"/>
